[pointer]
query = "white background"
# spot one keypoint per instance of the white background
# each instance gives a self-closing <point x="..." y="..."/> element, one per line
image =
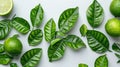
<point x="53" y="9"/>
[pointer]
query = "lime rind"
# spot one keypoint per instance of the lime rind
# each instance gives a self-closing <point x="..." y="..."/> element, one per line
<point x="9" y="9"/>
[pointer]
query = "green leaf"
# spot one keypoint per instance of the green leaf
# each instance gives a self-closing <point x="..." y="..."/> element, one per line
<point x="95" y="14"/>
<point x="101" y="61"/>
<point x="36" y="15"/>
<point x="21" y="25"/>
<point x="31" y="58"/>
<point x="68" y="19"/>
<point x="4" y="59"/>
<point x="4" y="28"/>
<point x="2" y="48"/>
<point x="118" y="56"/>
<point x="35" y="37"/>
<point x="56" y="50"/>
<point x="59" y="34"/>
<point x="83" y="30"/>
<point x="13" y="65"/>
<point x="116" y="47"/>
<point x="97" y="41"/>
<point x="74" y="42"/>
<point x="49" y="30"/>
<point x="83" y="65"/>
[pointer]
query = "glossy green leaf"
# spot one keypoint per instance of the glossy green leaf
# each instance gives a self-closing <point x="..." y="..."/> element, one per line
<point x="31" y="58"/>
<point x="4" y="59"/>
<point x="4" y="28"/>
<point x="36" y="15"/>
<point x="118" y="56"/>
<point x="101" y="61"/>
<point x="95" y="14"/>
<point x="2" y="48"/>
<point x="97" y="41"/>
<point x="74" y="42"/>
<point x="82" y="65"/>
<point x="59" y="34"/>
<point x="13" y="65"/>
<point x="49" y="30"/>
<point x="68" y="19"/>
<point x="83" y="30"/>
<point x="35" y="37"/>
<point x="56" y="50"/>
<point x="21" y="25"/>
<point x="116" y="47"/>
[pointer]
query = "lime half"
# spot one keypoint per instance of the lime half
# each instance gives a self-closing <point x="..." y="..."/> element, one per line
<point x="5" y="6"/>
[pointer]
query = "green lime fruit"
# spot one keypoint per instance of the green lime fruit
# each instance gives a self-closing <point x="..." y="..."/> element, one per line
<point x="113" y="27"/>
<point x="13" y="46"/>
<point x="5" y="6"/>
<point x="115" y="8"/>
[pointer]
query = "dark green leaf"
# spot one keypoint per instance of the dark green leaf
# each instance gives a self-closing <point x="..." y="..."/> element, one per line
<point x="31" y="58"/>
<point x="4" y="59"/>
<point x="56" y="50"/>
<point x="49" y="30"/>
<point x="116" y="47"/>
<point x="74" y="42"/>
<point x="83" y="30"/>
<point x="21" y="25"/>
<point x="2" y="48"/>
<point x="13" y="65"/>
<point x="35" y="37"/>
<point x="97" y="41"/>
<point x="36" y="15"/>
<point x="118" y="56"/>
<point x="83" y="65"/>
<point x="95" y="14"/>
<point x="4" y="28"/>
<point x="68" y="19"/>
<point x="101" y="61"/>
<point x="118" y="61"/>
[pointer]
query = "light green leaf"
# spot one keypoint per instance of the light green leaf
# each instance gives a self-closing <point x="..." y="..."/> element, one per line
<point x="101" y="61"/>
<point x="83" y="65"/>
<point x="49" y="30"/>
<point x="83" y="30"/>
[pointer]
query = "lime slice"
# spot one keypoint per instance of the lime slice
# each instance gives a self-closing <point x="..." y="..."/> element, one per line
<point x="5" y="6"/>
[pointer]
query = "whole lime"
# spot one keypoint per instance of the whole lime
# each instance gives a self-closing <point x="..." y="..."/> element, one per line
<point x="113" y="27"/>
<point x="13" y="46"/>
<point x="115" y="8"/>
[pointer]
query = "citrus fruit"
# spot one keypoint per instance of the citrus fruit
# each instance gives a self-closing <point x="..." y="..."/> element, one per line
<point x="5" y="6"/>
<point x="113" y="27"/>
<point x="13" y="46"/>
<point x="115" y="8"/>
